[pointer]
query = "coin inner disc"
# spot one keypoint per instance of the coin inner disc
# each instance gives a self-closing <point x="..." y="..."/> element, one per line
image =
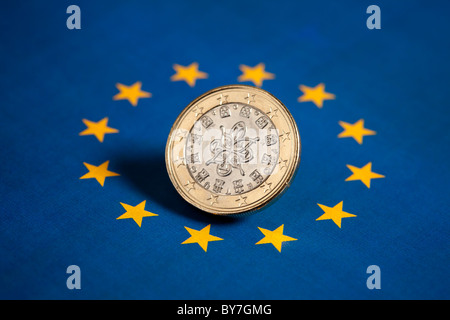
<point x="232" y="148"/>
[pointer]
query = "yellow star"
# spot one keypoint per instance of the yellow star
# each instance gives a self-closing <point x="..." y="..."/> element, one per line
<point x="201" y="237"/>
<point x="190" y="185"/>
<point x="335" y="213"/>
<point x="250" y="98"/>
<point x="317" y="94"/>
<point x="255" y="74"/>
<point x="285" y="136"/>
<point x="136" y="213"/>
<point x="266" y="186"/>
<point x="98" y="172"/>
<point x="356" y="130"/>
<point x="190" y="74"/>
<point x="131" y="93"/>
<point x="242" y="200"/>
<point x="282" y="163"/>
<point x="213" y="199"/>
<point x="98" y="129"/>
<point x="364" y="174"/>
<point x="275" y="237"/>
<point x="272" y="113"/>
<point x="198" y="111"/>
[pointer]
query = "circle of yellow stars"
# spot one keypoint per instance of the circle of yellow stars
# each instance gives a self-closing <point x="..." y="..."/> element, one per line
<point x="257" y="75"/>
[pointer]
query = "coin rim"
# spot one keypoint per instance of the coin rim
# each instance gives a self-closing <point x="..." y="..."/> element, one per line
<point x="275" y="194"/>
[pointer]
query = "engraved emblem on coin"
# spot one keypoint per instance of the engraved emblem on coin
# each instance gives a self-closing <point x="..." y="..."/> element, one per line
<point x="232" y="149"/>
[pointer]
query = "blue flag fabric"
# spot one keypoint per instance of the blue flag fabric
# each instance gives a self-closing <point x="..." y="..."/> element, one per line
<point x="85" y="117"/>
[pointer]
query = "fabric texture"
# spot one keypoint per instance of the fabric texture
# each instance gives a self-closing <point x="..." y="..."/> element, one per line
<point x="394" y="78"/>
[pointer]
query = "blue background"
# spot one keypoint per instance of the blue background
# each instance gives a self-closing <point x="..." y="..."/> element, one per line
<point x="395" y="78"/>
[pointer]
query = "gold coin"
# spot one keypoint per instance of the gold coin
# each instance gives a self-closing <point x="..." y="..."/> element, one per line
<point x="233" y="150"/>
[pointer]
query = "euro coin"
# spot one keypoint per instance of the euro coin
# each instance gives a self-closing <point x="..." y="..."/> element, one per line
<point x="233" y="150"/>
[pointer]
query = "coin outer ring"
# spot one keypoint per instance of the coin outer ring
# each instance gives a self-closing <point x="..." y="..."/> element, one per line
<point x="275" y="184"/>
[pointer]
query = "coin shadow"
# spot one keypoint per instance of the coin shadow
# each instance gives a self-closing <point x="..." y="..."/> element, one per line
<point x="148" y="174"/>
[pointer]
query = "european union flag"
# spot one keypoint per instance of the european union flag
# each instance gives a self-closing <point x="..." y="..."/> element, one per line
<point x="90" y="91"/>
